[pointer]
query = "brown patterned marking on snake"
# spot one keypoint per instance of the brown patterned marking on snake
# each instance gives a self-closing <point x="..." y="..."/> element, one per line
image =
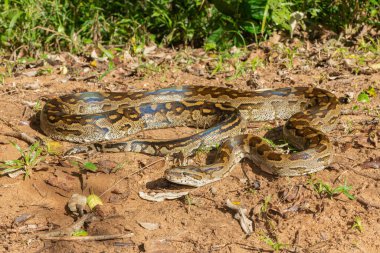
<point x="107" y="107"/>
<point x="274" y="156"/>
<point x="250" y="106"/>
<point x="114" y="117"/>
<point x="321" y="148"/>
<point x="254" y="141"/>
<point x="302" y="170"/>
<point x="68" y="132"/>
<point x="299" y="156"/>
<point x="125" y="127"/>
<point x="262" y="148"/>
<point x="324" y="159"/>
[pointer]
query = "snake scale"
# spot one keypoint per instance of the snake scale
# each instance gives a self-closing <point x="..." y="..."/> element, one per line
<point x="97" y="117"/>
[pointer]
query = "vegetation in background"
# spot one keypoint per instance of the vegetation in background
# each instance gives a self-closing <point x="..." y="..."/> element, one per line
<point x="54" y="25"/>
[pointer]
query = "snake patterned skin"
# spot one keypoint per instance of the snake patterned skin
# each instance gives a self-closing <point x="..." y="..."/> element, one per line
<point x="93" y="117"/>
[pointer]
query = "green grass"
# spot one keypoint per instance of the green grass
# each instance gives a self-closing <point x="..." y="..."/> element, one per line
<point x="31" y="26"/>
<point x="265" y="206"/>
<point x="325" y="190"/>
<point x="29" y="159"/>
<point x="275" y="245"/>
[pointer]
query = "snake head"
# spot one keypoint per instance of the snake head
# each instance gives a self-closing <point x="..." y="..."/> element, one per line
<point x="190" y="175"/>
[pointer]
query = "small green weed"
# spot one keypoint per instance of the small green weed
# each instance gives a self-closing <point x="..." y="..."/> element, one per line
<point x="37" y="106"/>
<point x="80" y="232"/>
<point x="111" y="66"/>
<point x="84" y="166"/>
<point x="357" y="224"/>
<point x="366" y="95"/>
<point x="218" y="66"/>
<point x="275" y="245"/>
<point x="189" y="201"/>
<point x="29" y="159"/>
<point x="325" y="190"/>
<point x="256" y="63"/>
<point x="265" y="207"/>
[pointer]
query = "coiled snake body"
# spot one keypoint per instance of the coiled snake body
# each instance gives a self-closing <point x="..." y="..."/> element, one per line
<point x="93" y="117"/>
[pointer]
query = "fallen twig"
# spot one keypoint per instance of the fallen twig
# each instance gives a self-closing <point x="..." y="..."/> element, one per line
<point x="28" y="229"/>
<point x="365" y="175"/>
<point x="366" y="203"/>
<point x="68" y="231"/>
<point x="22" y="136"/>
<point x="17" y="133"/>
<point x="39" y="191"/>
<point x="88" y="238"/>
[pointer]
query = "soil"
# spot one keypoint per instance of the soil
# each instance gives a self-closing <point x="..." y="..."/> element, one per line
<point x="294" y="217"/>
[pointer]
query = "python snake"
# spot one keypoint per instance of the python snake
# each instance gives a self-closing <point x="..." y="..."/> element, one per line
<point x="93" y="117"/>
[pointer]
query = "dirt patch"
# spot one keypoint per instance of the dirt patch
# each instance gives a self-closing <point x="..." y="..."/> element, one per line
<point x="288" y="213"/>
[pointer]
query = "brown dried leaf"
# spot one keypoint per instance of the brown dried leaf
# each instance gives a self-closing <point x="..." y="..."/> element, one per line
<point x="241" y="215"/>
<point x="21" y="219"/>
<point x="362" y="141"/>
<point x="373" y="163"/>
<point x="149" y="226"/>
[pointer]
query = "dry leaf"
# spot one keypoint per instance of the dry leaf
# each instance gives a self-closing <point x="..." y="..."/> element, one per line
<point x="373" y="163"/>
<point x="149" y="226"/>
<point x="16" y="173"/>
<point x="245" y="223"/>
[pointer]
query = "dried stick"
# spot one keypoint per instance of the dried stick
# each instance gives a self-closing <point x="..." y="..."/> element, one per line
<point x="366" y="203"/>
<point x="88" y="238"/>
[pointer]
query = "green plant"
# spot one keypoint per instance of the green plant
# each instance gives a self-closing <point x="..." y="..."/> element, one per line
<point x="31" y="26"/>
<point x="84" y="166"/>
<point x="37" y="106"/>
<point x="80" y="232"/>
<point x="218" y="66"/>
<point x="290" y="53"/>
<point x="366" y="95"/>
<point x="325" y="190"/>
<point x="111" y="66"/>
<point x="256" y="63"/>
<point x="357" y="224"/>
<point x="275" y="245"/>
<point x="29" y="159"/>
<point x="338" y="15"/>
<point x="265" y="206"/>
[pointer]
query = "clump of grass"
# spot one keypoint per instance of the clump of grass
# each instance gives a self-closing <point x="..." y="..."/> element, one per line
<point x="32" y="26"/>
<point x="29" y="159"/>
